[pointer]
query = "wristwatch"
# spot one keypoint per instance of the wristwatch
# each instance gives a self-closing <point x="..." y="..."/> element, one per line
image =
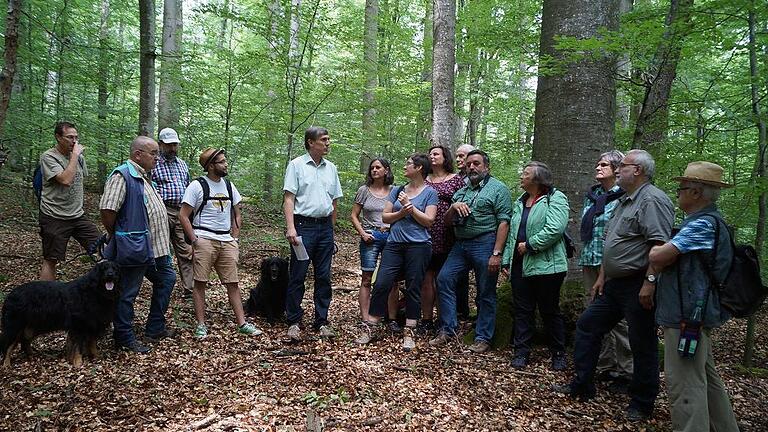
<point x="496" y="253"/>
<point x="651" y="278"/>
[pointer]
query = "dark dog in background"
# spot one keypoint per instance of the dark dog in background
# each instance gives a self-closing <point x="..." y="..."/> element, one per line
<point x="268" y="298"/>
<point x="84" y="308"/>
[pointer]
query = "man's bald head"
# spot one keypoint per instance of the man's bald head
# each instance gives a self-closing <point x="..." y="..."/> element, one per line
<point x="144" y="151"/>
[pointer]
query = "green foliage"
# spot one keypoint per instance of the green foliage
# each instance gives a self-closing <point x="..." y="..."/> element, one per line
<point x="319" y="401"/>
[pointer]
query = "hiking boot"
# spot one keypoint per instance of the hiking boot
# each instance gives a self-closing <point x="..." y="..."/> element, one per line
<point x="134" y="347"/>
<point x="201" y="331"/>
<point x="520" y="361"/>
<point x="165" y="334"/>
<point x="570" y="390"/>
<point x="425" y="328"/>
<point x="408" y="339"/>
<point x="442" y="338"/>
<point x="480" y="346"/>
<point x="294" y="333"/>
<point x="326" y="331"/>
<point x="369" y="332"/>
<point x="559" y="363"/>
<point x="393" y="326"/>
<point x="633" y="414"/>
<point x="249" y="329"/>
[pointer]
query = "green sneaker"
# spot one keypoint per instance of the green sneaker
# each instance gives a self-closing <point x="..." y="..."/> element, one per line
<point x="249" y="329"/>
<point x="201" y="331"/>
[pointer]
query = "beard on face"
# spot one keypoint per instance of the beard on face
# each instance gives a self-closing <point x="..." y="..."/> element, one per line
<point x="475" y="177"/>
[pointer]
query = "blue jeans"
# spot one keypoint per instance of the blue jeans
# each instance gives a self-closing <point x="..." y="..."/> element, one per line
<point x="409" y="259"/>
<point x="466" y="254"/>
<point x="163" y="279"/>
<point x="318" y="240"/>
<point x="619" y="300"/>
<point x="369" y="252"/>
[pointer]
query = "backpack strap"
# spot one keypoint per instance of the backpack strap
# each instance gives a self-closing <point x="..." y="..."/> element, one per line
<point x="708" y="265"/>
<point x="207" y="197"/>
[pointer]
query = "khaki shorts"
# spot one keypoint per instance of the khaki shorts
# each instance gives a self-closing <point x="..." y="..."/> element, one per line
<point x="223" y="256"/>
<point x="55" y="234"/>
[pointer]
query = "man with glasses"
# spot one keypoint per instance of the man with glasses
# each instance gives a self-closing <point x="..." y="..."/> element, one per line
<point x="689" y="305"/>
<point x="62" y="216"/>
<point x="135" y="219"/>
<point x="480" y="215"/>
<point x="625" y="287"/>
<point x="171" y="174"/>
<point x="311" y="188"/>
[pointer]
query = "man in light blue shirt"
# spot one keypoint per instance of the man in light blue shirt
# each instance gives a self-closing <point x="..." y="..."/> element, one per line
<point x="311" y="188"/>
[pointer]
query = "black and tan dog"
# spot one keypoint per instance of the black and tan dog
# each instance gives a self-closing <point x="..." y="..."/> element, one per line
<point x="268" y="298"/>
<point x="83" y="308"/>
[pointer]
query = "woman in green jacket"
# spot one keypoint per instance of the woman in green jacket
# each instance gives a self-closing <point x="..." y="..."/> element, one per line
<point x="536" y="261"/>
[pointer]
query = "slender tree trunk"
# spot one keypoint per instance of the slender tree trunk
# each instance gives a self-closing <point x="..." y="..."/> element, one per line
<point x="273" y="123"/>
<point x="749" y="343"/>
<point x="653" y="121"/>
<point x="103" y="96"/>
<point x="170" y="72"/>
<point x="224" y="24"/>
<point x="575" y="110"/>
<point x="444" y="61"/>
<point x="370" y="55"/>
<point x="9" y="57"/>
<point x="624" y="69"/>
<point x="425" y="105"/>
<point x="147" y="67"/>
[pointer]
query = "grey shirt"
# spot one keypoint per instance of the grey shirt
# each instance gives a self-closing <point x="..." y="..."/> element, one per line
<point x="57" y="200"/>
<point x="640" y="219"/>
<point x="372" y="208"/>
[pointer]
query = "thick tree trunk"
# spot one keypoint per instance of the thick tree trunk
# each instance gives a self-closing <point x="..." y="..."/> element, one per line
<point x="147" y="67"/>
<point x="749" y="343"/>
<point x="624" y="70"/>
<point x="103" y="93"/>
<point x="170" y="72"/>
<point x="575" y="110"/>
<point x="444" y="61"/>
<point x="653" y="121"/>
<point x="9" y="57"/>
<point x="371" y="60"/>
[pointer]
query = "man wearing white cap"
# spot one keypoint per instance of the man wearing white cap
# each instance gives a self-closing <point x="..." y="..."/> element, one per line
<point x="688" y="305"/>
<point x="172" y="177"/>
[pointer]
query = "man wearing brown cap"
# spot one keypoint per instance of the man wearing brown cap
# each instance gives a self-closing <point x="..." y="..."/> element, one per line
<point x="210" y="216"/>
<point x="688" y="305"/>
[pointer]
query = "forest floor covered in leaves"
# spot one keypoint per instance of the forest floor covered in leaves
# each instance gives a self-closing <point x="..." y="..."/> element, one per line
<point x="240" y="383"/>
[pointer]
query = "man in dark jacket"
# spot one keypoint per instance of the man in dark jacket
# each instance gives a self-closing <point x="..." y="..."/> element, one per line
<point x="688" y="305"/>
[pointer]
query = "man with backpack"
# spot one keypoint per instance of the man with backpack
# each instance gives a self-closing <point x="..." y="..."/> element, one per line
<point x="211" y="218"/>
<point x="171" y="174"/>
<point x="695" y="261"/>
<point x="61" y="173"/>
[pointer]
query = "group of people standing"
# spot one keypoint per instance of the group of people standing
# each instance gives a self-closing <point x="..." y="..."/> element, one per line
<point x="429" y="233"/>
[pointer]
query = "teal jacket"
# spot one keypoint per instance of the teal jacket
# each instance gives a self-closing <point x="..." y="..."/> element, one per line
<point x="547" y="221"/>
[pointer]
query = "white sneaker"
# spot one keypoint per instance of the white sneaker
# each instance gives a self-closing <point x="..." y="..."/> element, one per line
<point x="326" y="331"/>
<point x="408" y="339"/>
<point x="294" y="332"/>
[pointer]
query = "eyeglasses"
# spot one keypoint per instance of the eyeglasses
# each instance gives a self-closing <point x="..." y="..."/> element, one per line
<point x="153" y="152"/>
<point x="680" y="189"/>
<point x="622" y="164"/>
<point x="603" y="164"/>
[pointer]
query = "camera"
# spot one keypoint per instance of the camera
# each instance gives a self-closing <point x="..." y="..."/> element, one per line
<point x="460" y="221"/>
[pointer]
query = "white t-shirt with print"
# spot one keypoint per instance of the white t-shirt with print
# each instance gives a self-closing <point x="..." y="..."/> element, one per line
<point x="215" y="215"/>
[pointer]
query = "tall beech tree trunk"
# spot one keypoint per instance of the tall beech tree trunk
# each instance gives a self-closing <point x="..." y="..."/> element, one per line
<point x="425" y="104"/>
<point x="147" y="67"/>
<point x="103" y="92"/>
<point x="575" y="110"/>
<point x="653" y="121"/>
<point x="170" y="71"/>
<point x="9" y="57"/>
<point x="371" y="60"/>
<point x="749" y="343"/>
<point x="443" y="64"/>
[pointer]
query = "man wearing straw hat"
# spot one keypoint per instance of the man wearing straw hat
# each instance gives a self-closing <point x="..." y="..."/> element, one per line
<point x="688" y="305"/>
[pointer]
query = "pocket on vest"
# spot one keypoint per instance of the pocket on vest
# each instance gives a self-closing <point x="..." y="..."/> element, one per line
<point x="129" y="249"/>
